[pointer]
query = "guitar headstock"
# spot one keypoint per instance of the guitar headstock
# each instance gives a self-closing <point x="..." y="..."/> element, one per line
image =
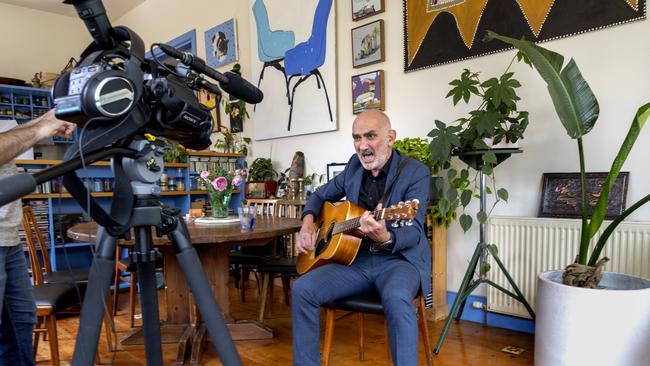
<point x="401" y="211"/>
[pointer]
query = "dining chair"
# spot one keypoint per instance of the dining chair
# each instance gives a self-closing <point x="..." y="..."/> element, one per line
<point x="370" y="303"/>
<point x="124" y="272"/>
<point x="247" y="259"/>
<point x="283" y="266"/>
<point x="303" y="60"/>
<point x="271" y="44"/>
<point x="54" y="291"/>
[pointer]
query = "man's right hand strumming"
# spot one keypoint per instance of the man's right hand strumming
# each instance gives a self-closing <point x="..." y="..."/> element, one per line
<point x="306" y="240"/>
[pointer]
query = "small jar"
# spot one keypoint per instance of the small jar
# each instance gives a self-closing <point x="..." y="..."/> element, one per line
<point x="98" y="185"/>
<point x="180" y="186"/>
<point x="172" y="184"/>
<point x="108" y="185"/>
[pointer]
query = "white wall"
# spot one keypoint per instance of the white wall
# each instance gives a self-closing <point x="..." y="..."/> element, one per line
<point x="32" y="41"/>
<point x="614" y="61"/>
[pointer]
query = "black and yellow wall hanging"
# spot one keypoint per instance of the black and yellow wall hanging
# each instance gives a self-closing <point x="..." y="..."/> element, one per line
<point x="437" y="32"/>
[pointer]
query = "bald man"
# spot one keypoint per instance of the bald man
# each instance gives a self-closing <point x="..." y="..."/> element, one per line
<point x="395" y="262"/>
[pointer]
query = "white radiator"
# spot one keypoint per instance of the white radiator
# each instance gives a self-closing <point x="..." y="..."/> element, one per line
<point x="531" y="245"/>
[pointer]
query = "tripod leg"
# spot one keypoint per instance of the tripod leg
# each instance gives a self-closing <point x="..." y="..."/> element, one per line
<point x="460" y="298"/>
<point x="92" y="309"/>
<point x="146" y="270"/>
<point x="520" y="296"/>
<point x="208" y="306"/>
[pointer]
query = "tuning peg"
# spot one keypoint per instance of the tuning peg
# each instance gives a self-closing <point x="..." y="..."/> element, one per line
<point x="401" y="224"/>
<point x="400" y="203"/>
<point x="408" y="202"/>
<point x="409" y="222"/>
<point x="395" y="224"/>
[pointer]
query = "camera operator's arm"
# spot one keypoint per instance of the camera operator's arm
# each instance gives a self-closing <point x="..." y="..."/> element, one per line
<point x="21" y="138"/>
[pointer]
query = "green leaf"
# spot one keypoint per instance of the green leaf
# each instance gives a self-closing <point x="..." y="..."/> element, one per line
<point x="479" y="144"/>
<point x="485" y="268"/>
<point x="501" y="91"/>
<point x="489" y="157"/>
<point x="464" y="174"/>
<point x="443" y="205"/>
<point x="492" y="248"/>
<point x="639" y="121"/>
<point x="464" y="87"/>
<point x="481" y="216"/>
<point x="574" y="102"/>
<point x="443" y="140"/>
<point x="465" y="197"/>
<point x="503" y="194"/>
<point x="451" y="174"/>
<point x="488" y="190"/>
<point x="465" y="222"/>
<point x="452" y="194"/>
<point x="485" y="121"/>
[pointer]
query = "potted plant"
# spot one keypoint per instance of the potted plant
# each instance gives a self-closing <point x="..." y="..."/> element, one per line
<point x="173" y="152"/>
<point x="261" y="182"/>
<point x="496" y="119"/>
<point x="568" y="304"/>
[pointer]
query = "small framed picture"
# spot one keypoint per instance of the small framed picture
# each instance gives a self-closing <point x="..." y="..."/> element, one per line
<point x="368" y="91"/>
<point x="221" y="44"/>
<point x="366" y="8"/>
<point x="368" y="44"/>
<point x="561" y="196"/>
<point x="334" y="169"/>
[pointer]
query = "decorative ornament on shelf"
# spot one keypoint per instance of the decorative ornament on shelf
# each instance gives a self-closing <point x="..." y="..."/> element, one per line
<point x="220" y="184"/>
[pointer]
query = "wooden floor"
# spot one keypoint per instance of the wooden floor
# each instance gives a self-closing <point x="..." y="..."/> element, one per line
<point x="467" y="343"/>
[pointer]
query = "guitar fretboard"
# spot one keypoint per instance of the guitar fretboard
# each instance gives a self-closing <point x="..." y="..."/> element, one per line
<point x="354" y="223"/>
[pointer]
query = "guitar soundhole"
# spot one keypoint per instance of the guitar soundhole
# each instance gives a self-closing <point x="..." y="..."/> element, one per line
<point x="323" y="241"/>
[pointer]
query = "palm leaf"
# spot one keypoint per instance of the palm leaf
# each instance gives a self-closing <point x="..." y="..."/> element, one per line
<point x="574" y="102"/>
<point x="601" y="206"/>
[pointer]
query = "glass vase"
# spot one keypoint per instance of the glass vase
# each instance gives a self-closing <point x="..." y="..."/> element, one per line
<point x="219" y="204"/>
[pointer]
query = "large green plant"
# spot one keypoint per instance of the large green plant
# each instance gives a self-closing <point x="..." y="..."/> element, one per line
<point x="578" y="110"/>
<point x="262" y="169"/>
<point x="495" y="119"/>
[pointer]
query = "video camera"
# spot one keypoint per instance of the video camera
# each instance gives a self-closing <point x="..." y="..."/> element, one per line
<point x="114" y="83"/>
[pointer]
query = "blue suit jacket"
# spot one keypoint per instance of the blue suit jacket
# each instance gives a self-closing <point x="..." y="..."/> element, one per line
<point x="413" y="182"/>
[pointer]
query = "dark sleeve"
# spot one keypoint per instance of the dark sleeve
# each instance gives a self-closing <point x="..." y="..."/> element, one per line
<point x="418" y="188"/>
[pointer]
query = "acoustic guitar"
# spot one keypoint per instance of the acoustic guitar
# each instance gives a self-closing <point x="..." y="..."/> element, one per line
<point x="337" y="237"/>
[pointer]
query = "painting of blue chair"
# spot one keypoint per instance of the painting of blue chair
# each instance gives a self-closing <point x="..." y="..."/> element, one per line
<point x="271" y="45"/>
<point x="305" y="58"/>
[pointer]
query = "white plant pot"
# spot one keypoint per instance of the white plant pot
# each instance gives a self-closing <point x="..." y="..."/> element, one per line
<point x="501" y="145"/>
<point x="581" y="326"/>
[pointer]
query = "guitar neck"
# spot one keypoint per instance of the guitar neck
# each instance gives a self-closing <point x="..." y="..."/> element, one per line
<point x="351" y="224"/>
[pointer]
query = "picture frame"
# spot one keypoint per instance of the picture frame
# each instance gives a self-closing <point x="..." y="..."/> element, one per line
<point x="561" y="196"/>
<point x="221" y="44"/>
<point x="368" y="91"/>
<point x="212" y="100"/>
<point x="362" y="9"/>
<point x="334" y="169"/>
<point x="368" y="44"/>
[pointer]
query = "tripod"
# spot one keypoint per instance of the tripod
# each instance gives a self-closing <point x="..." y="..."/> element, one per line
<point x="143" y="168"/>
<point x="481" y="253"/>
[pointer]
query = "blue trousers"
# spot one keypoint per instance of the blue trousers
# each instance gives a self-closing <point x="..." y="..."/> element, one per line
<point x="396" y="280"/>
<point x="18" y="308"/>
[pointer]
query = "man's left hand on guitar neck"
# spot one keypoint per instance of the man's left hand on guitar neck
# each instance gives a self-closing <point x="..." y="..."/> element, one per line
<point x="375" y="230"/>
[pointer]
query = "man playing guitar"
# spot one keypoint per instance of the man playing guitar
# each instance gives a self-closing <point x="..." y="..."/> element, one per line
<point x="394" y="261"/>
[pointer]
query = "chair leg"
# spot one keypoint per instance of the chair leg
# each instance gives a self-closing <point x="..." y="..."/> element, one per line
<point x="242" y="289"/>
<point x="108" y="331"/>
<point x="37" y="334"/>
<point x="286" y="287"/>
<point x="132" y="295"/>
<point x="329" y="108"/>
<point x="362" y="354"/>
<point x="388" y="356"/>
<point x="424" y="329"/>
<point x="271" y="290"/>
<point x="263" y="296"/>
<point x="329" y="335"/>
<point x="116" y="291"/>
<point x="54" y="342"/>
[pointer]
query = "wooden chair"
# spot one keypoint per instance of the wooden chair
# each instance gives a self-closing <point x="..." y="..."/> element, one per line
<point x="122" y="265"/>
<point x="244" y="259"/>
<point x="283" y="266"/>
<point x="53" y="291"/>
<point x="370" y="303"/>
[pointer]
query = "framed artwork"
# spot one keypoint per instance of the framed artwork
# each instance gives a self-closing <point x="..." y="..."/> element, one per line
<point x="368" y="91"/>
<point x="561" y="195"/>
<point x="293" y="62"/>
<point x="366" y="8"/>
<point x="334" y="169"/>
<point x="438" y="32"/>
<point x="211" y="100"/>
<point x="221" y="44"/>
<point x="368" y="44"/>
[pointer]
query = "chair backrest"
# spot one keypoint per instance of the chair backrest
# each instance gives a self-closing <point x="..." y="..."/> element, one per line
<point x="34" y="237"/>
<point x="262" y="23"/>
<point x="318" y="37"/>
<point x="261" y="207"/>
<point x="290" y="208"/>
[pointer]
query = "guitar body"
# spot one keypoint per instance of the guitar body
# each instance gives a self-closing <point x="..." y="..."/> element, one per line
<point x="340" y="248"/>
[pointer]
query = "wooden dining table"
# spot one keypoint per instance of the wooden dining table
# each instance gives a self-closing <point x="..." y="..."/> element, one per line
<point x="213" y="243"/>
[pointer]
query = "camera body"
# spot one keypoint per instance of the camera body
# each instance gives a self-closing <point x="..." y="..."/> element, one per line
<point x="114" y="84"/>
